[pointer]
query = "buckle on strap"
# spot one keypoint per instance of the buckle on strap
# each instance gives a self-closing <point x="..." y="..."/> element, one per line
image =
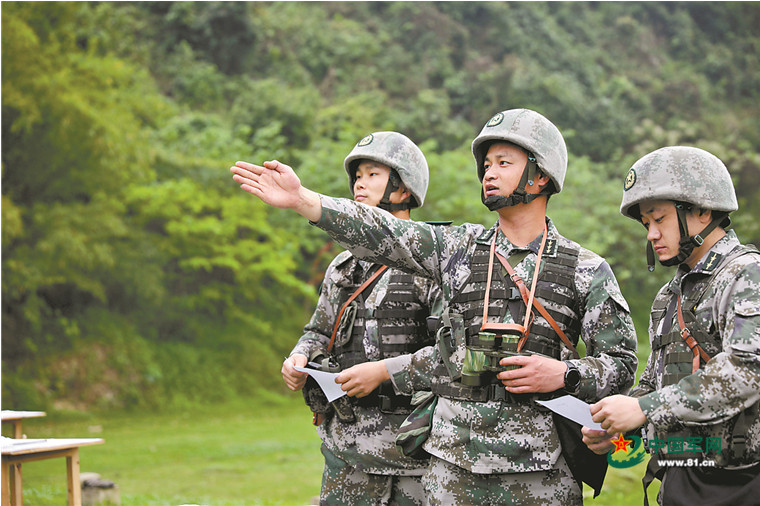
<point x="497" y="392"/>
<point x="689" y="340"/>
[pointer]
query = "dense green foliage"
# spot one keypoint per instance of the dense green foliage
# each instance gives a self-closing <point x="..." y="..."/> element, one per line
<point x="135" y="273"/>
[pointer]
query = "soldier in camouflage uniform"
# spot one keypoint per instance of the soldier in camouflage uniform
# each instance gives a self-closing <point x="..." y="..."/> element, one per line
<point x="699" y="395"/>
<point x="490" y="443"/>
<point x="387" y="319"/>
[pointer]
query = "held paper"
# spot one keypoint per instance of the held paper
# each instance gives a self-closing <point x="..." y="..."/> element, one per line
<point x="326" y="381"/>
<point x="572" y="408"/>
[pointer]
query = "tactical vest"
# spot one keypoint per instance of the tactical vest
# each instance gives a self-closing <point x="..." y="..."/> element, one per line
<point x="678" y="361"/>
<point x="555" y="288"/>
<point x="678" y="364"/>
<point x="401" y="329"/>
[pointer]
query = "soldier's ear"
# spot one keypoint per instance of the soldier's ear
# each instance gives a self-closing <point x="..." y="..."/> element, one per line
<point x="542" y="179"/>
<point x="704" y="215"/>
<point x="405" y="194"/>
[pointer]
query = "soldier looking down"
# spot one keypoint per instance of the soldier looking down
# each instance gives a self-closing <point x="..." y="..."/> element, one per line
<point x="506" y="339"/>
<point x="699" y="395"/>
<point x="386" y="317"/>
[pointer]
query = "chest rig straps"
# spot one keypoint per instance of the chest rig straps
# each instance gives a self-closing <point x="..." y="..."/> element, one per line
<point x="528" y="297"/>
<point x="539" y="307"/>
<point x="343" y="324"/>
<point x="680" y="364"/>
<point x="340" y="321"/>
<point x="688" y="337"/>
<point x="496" y="340"/>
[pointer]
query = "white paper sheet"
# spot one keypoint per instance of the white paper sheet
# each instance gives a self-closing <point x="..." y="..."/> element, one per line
<point x="572" y="408"/>
<point x="326" y="381"/>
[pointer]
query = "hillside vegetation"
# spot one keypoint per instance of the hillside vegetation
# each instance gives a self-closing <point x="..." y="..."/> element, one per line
<point x="136" y="274"/>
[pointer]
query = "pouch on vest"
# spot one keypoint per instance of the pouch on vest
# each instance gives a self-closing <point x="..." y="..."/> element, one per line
<point x="585" y="465"/>
<point x="451" y="343"/>
<point x="416" y="428"/>
<point x="317" y="401"/>
<point x="346" y="324"/>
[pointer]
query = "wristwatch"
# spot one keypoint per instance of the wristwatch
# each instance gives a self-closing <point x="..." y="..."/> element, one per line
<point x="572" y="377"/>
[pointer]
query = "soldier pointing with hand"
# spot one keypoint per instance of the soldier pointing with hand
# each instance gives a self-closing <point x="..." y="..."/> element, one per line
<point x="518" y="297"/>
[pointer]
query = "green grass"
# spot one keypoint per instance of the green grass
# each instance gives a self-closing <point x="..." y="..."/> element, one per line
<point x="263" y="452"/>
<point x="259" y="453"/>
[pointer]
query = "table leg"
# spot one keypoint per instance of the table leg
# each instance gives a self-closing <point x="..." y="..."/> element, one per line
<point x="5" y="488"/>
<point x="17" y="498"/>
<point x="18" y="432"/>
<point x="12" y="484"/>
<point x="72" y="472"/>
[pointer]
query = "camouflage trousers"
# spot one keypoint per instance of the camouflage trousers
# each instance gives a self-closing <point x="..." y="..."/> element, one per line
<point x="447" y="484"/>
<point x="343" y="484"/>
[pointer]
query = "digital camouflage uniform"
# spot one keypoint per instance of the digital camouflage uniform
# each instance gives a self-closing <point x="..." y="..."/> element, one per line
<point x="362" y="464"/>
<point x="711" y="414"/>
<point x="366" y="445"/>
<point x="708" y="402"/>
<point x="488" y="438"/>
<point x="487" y="451"/>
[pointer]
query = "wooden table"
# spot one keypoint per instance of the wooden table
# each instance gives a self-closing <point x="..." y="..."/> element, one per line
<point x="16" y="452"/>
<point x="15" y="418"/>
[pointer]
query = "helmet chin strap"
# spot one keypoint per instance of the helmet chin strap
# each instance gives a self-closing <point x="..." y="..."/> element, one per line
<point x="519" y="196"/>
<point x="385" y="202"/>
<point x="687" y="243"/>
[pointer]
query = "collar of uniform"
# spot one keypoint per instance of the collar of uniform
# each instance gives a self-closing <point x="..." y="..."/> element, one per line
<point x="507" y="249"/>
<point x="713" y="258"/>
<point x="367" y="267"/>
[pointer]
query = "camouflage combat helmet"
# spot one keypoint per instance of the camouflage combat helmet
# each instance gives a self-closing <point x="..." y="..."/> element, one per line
<point x="399" y="153"/>
<point x="687" y="176"/>
<point x="538" y="136"/>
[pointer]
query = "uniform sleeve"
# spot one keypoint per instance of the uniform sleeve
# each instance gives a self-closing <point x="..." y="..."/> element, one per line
<point x="610" y="363"/>
<point x="412" y="372"/>
<point x="730" y="381"/>
<point x="375" y="235"/>
<point x="647" y="382"/>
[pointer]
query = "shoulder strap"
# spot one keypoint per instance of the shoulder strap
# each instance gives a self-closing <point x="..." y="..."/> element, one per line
<point x="509" y="327"/>
<point x="686" y="334"/>
<point x="692" y="343"/>
<point x="359" y="290"/>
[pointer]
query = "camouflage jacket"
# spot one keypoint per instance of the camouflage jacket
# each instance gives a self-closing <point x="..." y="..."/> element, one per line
<point x="490" y="437"/>
<point x="368" y="444"/>
<point x="709" y="402"/>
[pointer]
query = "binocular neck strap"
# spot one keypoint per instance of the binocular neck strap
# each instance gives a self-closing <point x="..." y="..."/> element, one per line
<point x="523" y="329"/>
<point x="528" y="298"/>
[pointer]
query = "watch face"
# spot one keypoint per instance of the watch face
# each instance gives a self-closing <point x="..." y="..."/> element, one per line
<point x="572" y="378"/>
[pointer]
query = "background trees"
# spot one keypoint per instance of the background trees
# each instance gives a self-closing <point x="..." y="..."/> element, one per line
<point x="135" y="273"/>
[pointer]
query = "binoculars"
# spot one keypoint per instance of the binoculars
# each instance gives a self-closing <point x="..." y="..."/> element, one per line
<point x="481" y="361"/>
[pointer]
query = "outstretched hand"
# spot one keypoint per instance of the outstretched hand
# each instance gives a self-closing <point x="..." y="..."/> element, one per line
<point x="275" y="183"/>
<point x="278" y="185"/>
